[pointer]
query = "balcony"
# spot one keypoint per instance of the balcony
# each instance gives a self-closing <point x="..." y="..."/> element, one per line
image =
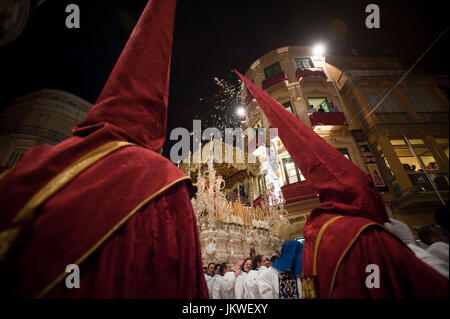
<point x="309" y="72"/>
<point x="434" y="117"/>
<point x="422" y="184"/>
<point x="274" y="79"/>
<point x="299" y="191"/>
<point x="295" y="192"/>
<point x="327" y="119"/>
<point x="348" y="73"/>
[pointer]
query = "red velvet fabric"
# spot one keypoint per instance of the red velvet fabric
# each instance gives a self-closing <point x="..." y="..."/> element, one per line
<point x="327" y="118"/>
<point x="70" y="223"/>
<point x="345" y="190"/>
<point x="135" y="96"/>
<point x="306" y="72"/>
<point x="155" y="255"/>
<point x="402" y="275"/>
<point x="274" y="79"/>
<point x="98" y="202"/>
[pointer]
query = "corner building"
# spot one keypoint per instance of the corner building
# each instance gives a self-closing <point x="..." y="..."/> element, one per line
<point x="374" y="142"/>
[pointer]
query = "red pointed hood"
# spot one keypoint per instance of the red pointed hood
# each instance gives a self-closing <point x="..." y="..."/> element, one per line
<point x="135" y="96"/>
<point x="342" y="186"/>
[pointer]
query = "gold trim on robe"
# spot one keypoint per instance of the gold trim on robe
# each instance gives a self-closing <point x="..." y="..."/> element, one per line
<point x="58" y="279"/>
<point x="310" y="284"/>
<point x="69" y="173"/>
<point x="344" y="253"/>
<point x="9" y="236"/>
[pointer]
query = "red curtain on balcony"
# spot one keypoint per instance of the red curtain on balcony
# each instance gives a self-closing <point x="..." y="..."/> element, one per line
<point x="307" y="72"/>
<point x="327" y="118"/>
<point x="274" y="79"/>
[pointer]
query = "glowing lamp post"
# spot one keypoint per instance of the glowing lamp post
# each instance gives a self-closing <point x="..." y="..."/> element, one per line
<point x="241" y="113"/>
<point x="318" y="50"/>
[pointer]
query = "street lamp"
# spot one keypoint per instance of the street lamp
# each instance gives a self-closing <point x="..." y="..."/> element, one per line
<point x="240" y="111"/>
<point x="318" y="50"/>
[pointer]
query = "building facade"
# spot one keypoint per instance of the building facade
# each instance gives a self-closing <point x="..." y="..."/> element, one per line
<point x="45" y="117"/>
<point x="407" y="131"/>
<point x="342" y="90"/>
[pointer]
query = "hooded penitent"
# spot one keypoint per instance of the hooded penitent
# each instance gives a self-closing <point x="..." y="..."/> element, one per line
<point x="72" y="197"/>
<point x="349" y="201"/>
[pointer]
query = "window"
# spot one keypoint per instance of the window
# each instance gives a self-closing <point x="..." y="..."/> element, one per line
<point x="405" y="155"/>
<point x="390" y="111"/>
<point x="304" y="63"/>
<point x="430" y="98"/>
<point x="390" y="103"/>
<point x="293" y="174"/>
<point x="357" y="109"/>
<point x="345" y="152"/>
<point x="71" y="103"/>
<point x="288" y="106"/>
<point x="318" y="102"/>
<point x="15" y="156"/>
<point x="414" y="100"/>
<point x="272" y="69"/>
<point x="61" y="126"/>
<point x="40" y="119"/>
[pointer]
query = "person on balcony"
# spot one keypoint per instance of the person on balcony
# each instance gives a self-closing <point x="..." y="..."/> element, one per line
<point x="311" y="110"/>
<point x="333" y="108"/>
<point x="321" y="109"/>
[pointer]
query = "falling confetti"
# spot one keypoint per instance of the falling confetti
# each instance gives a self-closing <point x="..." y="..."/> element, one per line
<point x="223" y="102"/>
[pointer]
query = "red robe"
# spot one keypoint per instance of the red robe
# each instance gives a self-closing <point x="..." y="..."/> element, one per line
<point x="105" y="199"/>
<point x="357" y="237"/>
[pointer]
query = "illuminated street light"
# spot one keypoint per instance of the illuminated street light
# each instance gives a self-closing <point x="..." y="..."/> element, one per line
<point x="318" y="50"/>
<point x="240" y="111"/>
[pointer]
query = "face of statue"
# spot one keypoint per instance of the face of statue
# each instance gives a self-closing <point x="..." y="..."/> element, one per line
<point x="248" y="265"/>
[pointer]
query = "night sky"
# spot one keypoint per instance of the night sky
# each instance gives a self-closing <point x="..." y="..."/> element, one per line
<point x="211" y="38"/>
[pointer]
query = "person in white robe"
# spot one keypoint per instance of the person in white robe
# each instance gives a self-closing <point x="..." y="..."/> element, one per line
<point x="229" y="281"/>
<point x="219" y="289"/>
<point x="259" y="264"/>
<point x="241" y="290"/>
<point x="435" y="256"/>
<point x="282" y="279"/>
<point x="209" y="272"/>
<point x="210" y="283"/>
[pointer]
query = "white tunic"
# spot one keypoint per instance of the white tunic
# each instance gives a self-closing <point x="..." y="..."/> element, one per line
<point x="435" y="256"/>
<point x="269" y="286"/>
<point x="216" y="288"/>
<point x="252" y="283"/>
<point x="241" y="287"/>
<point x="229" y="280"/>
<point x="210" y="284"/>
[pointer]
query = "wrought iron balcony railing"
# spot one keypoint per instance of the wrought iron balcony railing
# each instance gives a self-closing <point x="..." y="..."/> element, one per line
<point x="422" y="184"/>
